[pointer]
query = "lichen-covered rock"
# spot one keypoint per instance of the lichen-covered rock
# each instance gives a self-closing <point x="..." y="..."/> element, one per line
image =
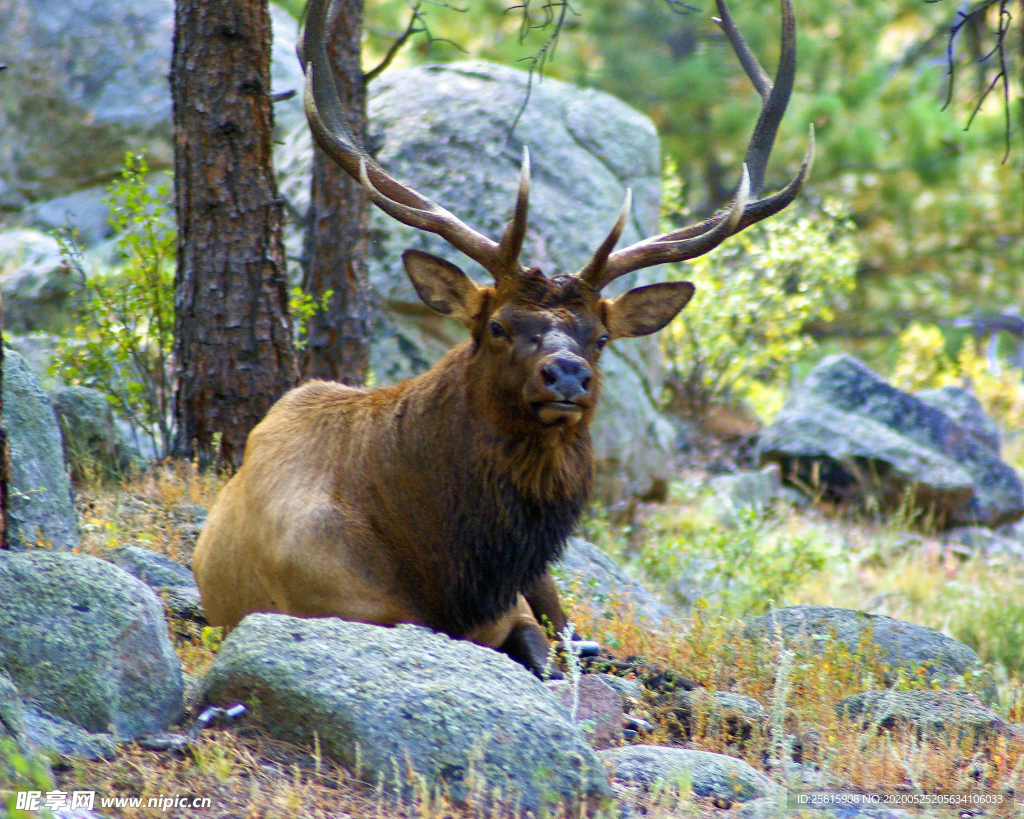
<point x="954" y="712"/>
<point x="93" y="445"/>
<point x="444" y="130"/>
<point x="596" y="578"/>
<point x="12" y="711"/>
<point x="172" y="582"/>
<point x="88" y="642"/>
<point x="961" y="405"/>
<point x="458" y="716"/>
<point x="857" y="437"/>
<point x="598" y="708"/>
<point x="48" y="732"/>
<point x="708" y="775"/>
<point x="86" y="81"/>
<point x="34" y="283"/>
<point x="40" y="508"/>
<point x="902" y="645"/>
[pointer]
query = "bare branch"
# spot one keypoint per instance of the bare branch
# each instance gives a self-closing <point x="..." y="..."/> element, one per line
<point x="417" y="25"/>
<point x="978" y="12"/>
<point x="538" y="60"/>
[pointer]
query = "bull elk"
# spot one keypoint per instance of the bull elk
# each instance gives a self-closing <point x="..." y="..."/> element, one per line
<point x="443" y="500"/>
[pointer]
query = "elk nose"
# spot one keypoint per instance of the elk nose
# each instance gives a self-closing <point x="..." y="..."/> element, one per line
<point x="566" y="376"/>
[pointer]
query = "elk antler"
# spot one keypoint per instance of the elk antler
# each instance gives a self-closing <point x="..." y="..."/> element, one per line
<point x="696" y="240"/>
<point x="331" y="129"/>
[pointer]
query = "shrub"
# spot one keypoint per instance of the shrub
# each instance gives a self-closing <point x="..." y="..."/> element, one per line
<point x="123" y="342"/>
<point x="740" y="569"/>
<point x="755" y="296"/>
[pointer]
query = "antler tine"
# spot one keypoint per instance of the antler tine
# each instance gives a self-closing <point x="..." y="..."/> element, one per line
<point x="671" y="248"/>
<point x="593" y="272"/>
<point x="758" y="76"/>
<point x="777" y="97"/>
<point x="512" y="240"/>
<point x="695" y="240"/>
<point x="333" y="133"/>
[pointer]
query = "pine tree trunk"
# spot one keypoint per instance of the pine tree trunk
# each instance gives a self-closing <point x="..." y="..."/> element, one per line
<point x="233" y="336"/>
<point x="338" y="339"/>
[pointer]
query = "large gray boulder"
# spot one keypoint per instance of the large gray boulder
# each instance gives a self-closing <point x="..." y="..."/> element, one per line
<point x="409" y="708"/>
<point x="86" y="81"/>
<point x="94" y="447"/>
<point x="902" y="645"/>
<point x="712" y="776"/>
<point x="35" y="285"/>
<point x="444" y="130"/>
<point x="88" y="643"/>
<point x="102" y="72"/>
<point x="39" y="506"/>
<point x="860" y="436"/>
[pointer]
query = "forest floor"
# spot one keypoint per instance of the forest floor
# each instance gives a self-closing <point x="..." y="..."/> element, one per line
<point x="814" y="555"/>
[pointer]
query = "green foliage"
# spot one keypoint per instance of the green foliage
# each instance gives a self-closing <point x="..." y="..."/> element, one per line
<point x="755" y="296"/>
<point x="739" y="570"/>
<point x="990" y="619"/>
<point x="303" y="307"/>
<point x="21" y="771"/>
<point x="124" y="339"/>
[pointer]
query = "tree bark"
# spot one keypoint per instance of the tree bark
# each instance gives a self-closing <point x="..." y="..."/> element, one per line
<point x="338" y="338"/>
<point x="233" y="336"/>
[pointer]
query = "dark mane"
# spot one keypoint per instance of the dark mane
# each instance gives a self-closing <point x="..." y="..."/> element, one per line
<point x="500" y="542"/>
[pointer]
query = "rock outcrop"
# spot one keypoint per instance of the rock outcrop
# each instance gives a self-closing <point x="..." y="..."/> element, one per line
<point x="40" y="510"/>
<point x="849" y="434"/>
<point x="409" y="709"/>
<point x="87" y="643"/>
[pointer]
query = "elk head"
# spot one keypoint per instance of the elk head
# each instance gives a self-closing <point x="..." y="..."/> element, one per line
<point x="538" y="338"/>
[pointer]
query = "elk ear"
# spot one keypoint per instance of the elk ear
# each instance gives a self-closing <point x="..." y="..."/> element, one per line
<point x="444" y="287"/>
<point x="645" y="310"/>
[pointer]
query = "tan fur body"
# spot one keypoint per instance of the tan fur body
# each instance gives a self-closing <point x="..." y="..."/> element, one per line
<point x="341" y="504"/>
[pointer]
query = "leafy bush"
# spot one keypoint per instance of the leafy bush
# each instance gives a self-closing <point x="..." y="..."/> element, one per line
<point x="737" y="570"/>
<point x="123" y="342"/>
<point x="755" y="296"/>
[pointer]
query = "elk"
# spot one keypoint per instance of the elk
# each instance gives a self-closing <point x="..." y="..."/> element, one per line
<point x="442" y="500"/>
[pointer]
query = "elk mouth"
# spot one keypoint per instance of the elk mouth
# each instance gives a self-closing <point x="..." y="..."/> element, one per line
<point x="554" y="413"/>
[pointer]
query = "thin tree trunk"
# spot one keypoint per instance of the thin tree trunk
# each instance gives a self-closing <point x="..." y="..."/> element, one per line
<point x="338" y="338"/>
<point x="233" y="337"/>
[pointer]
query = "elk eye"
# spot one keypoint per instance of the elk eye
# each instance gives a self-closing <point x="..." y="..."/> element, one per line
<point x="601" y="342"/>
<point x="497" y="330"/>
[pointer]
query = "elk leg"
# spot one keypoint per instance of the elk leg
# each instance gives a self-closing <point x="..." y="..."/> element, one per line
<point x="547" y="608"/>
<point x="545" y="603"/>
<point x="527" y="644"/>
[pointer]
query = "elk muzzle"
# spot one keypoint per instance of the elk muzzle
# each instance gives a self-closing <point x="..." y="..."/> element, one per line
<point x="561" y="388"/>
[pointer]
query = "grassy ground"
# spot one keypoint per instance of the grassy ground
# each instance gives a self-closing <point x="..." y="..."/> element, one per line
<point x="781" y="557"/>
